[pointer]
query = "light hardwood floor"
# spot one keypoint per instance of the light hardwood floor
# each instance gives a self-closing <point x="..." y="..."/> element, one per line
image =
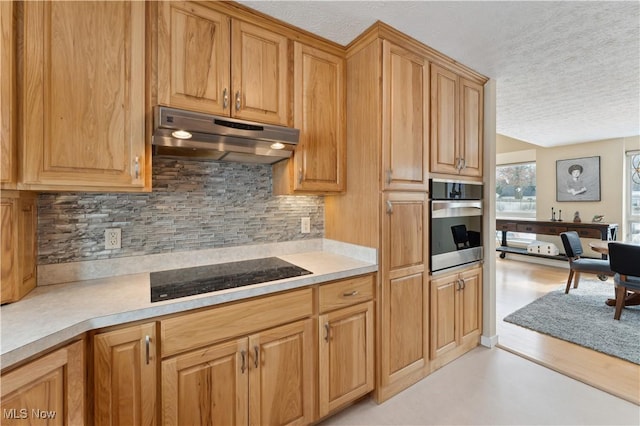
<point x="517" y="284"/>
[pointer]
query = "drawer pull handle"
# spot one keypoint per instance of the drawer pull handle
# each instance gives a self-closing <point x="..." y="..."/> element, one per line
<point x="255" y="348"/>
<point x="350" y="293"/>
<point x="243" y="355"/>
<point x="327" y="330"/>
<point x="238" y="101"/>
<point x="225" y="99"/>
<point x="147" y="345"/>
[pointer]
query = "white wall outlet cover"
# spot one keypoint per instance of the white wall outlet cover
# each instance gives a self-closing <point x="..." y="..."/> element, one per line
<point x="112" y="238"/>
<point x="305" y="225"/>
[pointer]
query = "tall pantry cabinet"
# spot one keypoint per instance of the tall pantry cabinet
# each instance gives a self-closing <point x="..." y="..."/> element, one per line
<point x="395" y="115"/>
<point x="387" y="147"/>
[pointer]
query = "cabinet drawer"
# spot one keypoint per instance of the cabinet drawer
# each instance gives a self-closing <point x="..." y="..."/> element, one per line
<point x="587" y="232"/>
<point x="202" y="328"/>
<point x="540" y="229"/>
<point x="345" y="293"/>
<point x="510" y="226"/>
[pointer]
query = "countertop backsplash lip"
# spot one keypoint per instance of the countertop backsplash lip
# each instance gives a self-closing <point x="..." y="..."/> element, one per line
<point x="69" y="309"/>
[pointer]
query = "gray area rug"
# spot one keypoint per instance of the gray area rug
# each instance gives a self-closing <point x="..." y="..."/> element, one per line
<point x="582" y="317"/>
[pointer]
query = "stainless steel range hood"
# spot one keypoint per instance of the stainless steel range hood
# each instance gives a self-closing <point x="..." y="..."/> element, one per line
<point x="181" y="133"/>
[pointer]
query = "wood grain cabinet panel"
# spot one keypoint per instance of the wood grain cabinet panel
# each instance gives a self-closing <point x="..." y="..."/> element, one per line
<point x="319" y="96"/>
<point x="8" y="116"/>
<point x="345" y="342"/>
<point x="213" y="63"/>
<point x="84" y="96"/>
<point x="404" y="357"/>
<point x="124" y="376"/>
<point x="405" y="136"/>
<point x="456" y="124"/>
<point x="264" y="378"/>
<point x="194" y="57"/>
<point x="456" y="314"/>
<point x="18" y="230"/>
<point x="49" y="390"/>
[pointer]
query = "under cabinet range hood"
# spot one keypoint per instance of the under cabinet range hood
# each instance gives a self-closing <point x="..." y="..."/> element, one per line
<point x="181" y="133"/>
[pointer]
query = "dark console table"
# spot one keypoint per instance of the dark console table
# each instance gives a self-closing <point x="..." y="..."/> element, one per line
<point x="602" y="231"/>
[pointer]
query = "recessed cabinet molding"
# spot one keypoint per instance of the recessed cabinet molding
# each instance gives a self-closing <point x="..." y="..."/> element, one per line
<point x="214" y="63"/>
<point x="84" y="97"/>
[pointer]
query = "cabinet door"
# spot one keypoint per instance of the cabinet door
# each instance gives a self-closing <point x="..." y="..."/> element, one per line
<point x="207" y="386"/>
<point x="50" y="388"/>
<point x="281" y="375"/>
<point x="18" y="217"/>
<point x="404" y="299"/>
<point x="124" y="367"/>
<point x="319" y="102"/>
<point x="84" y="104"/>
<point x="470" y="305"/>
<point x="7" y="94"/>
<point x="405" y="136"/>
<point x="194" y="59"/>
<point x="259" y="69"/>
<point x="471" y="127"/>
<point x="444" y="312"/>
<point x="445" y="156"/>
<point x="345" y="370"/>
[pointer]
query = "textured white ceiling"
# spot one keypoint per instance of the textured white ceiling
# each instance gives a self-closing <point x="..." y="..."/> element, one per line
<point x="566" y="72"/>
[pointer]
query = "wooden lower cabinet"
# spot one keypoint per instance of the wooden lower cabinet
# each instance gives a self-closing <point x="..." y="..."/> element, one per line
<point x="264" y="378"/>
<point x="18" y="228"/>
<point x="124" y="376"/>
<point x="456" y="315"/>
<point x="49" y="390"/>
<point x="404" y="298"/>
<point x="346" y="352"/>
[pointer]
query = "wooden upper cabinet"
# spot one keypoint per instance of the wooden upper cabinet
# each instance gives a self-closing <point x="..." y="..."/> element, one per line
<point x="193" y="57"/>
<point x="319" y="161"/>
<point x="7" y="95"/>
<point x="124" y="376"/>
<point x="84" y="96"/>
<point x="471" y="127"/>
<point x="456" y="124"/>
<point x="49" y="390"/>
<point x="212" y="63"/>
<point x="405" y="106"/>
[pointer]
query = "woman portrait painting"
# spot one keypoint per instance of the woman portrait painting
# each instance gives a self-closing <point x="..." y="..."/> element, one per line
<point x="578" y="179"/>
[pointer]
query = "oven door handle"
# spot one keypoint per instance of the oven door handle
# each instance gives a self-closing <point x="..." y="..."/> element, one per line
<point x="442" y="209"/>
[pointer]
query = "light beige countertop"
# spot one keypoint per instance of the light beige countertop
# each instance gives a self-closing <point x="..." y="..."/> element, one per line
<point x="52" y="314"/>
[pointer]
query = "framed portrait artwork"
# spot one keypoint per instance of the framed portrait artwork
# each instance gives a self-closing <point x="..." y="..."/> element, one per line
<point x="578" y="179"/>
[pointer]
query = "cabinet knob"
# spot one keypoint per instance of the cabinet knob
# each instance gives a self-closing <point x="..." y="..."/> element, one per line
<point x="225" y="98"/>
<point x="238" y="100"/>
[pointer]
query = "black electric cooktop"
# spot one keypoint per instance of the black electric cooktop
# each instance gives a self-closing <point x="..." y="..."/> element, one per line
<point x="175" y="283"/>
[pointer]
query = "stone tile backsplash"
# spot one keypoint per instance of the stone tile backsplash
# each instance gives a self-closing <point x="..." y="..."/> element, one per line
<point x="193" y="205"/>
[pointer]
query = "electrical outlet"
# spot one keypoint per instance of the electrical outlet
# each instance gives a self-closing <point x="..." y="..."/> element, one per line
<point x="112" y="238"/>
<point x="305" y="225"/>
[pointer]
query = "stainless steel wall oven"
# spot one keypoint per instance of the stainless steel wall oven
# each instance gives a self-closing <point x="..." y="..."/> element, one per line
<point x="456" y="223"/>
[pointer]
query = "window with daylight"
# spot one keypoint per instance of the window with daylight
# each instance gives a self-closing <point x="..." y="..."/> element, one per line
<point x="516" y="190"/>
<point x="633" y="196"/>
